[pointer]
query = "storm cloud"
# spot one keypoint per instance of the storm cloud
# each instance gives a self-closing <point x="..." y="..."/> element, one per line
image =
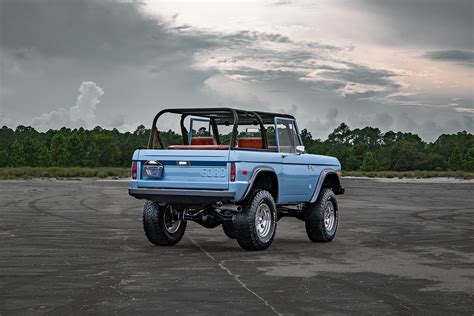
<point x="456" y="56"/>
<point x="94" y="32"/>
<point x="428" y="23"/>
<point x="129" y="63"/>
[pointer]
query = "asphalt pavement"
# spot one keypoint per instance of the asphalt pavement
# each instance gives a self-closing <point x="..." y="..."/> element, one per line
<point x="77" y="246"/>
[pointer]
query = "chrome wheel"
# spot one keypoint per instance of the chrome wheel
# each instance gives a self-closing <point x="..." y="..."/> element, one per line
<point x="263" y="220"/>
<point x="171" y="220"/>
<point x="329" y="216"/>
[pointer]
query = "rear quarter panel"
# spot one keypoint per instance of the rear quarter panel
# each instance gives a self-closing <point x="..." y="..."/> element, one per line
<point x="250" y="161"/>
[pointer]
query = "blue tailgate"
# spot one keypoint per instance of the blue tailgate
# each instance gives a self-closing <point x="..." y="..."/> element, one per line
<point x="185" y="169"/>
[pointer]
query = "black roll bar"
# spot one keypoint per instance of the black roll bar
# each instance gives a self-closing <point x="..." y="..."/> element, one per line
<point x="213" y="114"/>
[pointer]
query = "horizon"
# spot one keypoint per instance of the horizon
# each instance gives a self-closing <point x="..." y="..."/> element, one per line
<point x="405" y="65"/>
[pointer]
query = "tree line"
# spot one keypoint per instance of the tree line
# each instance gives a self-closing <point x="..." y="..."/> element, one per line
<point x="366" y="149"/>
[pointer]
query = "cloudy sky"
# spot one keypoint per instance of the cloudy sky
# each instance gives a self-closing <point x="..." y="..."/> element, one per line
<point x="401" y="65"/>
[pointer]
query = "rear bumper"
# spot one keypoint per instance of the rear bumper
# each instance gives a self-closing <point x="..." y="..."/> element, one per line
<point x="179" y="196"/>
<point x="342" y="190"/>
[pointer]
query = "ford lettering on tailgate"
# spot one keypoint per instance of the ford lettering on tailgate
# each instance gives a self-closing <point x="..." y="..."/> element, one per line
<point x="213" y="172"/>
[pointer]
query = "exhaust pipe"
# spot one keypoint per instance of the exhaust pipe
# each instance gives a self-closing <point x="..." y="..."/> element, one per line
<point x="230" y="207"/>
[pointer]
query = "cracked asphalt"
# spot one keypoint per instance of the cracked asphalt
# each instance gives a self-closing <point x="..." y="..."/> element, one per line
<point x="77" y="246"/>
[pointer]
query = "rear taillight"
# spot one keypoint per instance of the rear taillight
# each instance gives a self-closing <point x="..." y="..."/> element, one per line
<point x="134" y="170"/>
<point x="232" y="172"/>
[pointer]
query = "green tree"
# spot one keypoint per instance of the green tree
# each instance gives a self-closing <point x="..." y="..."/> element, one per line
<point x="307" y="138"/>
<point x="31" y="145"/>
<point x="17" y="155"/>
<point x="7" y="137"/>
<point x="355" y="149"/>
<point x="456" y="161"/>
<point x="435" y="162"/>
<point x="405" y="156"/>
<point x="389" y="138"/>
<point x="3" y="158"/>
<point x="368" y="135"/>
<point x="141" y="130"/>
<point x="341" y="135"/>
<point x="109" y="152"/>
<point x="469" y="165"/>
<point x="74" y="150"/>
<point x="59" y="154"/>
<point x="92" y="155"/>
<point x="356" y="155"/>
<point x="369" y="163"/>
<point x="43" y="157"/>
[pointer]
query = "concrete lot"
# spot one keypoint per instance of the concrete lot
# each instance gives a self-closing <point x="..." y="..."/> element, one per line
<point x="78" y="247"/>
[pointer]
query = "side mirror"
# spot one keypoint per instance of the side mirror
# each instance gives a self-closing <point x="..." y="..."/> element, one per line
<point x="300" y="149"/>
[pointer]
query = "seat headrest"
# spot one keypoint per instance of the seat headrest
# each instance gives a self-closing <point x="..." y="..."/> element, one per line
<point x="204" y="140"/>
<point x="250" y="142"/>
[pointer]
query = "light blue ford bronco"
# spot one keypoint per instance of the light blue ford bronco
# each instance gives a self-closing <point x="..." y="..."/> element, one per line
<point x="244" y="170"/>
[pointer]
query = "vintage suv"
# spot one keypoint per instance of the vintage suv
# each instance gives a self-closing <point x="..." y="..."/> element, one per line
<point x="243" y="179"/>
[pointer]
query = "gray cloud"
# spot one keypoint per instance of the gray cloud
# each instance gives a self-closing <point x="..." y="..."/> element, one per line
<point x="249" y="36"/>
<point x="429" y="23"/>
<point x="364" y="75"/>
<point x="83" y="113"/>
<point x="144" y="63"/>
<point x="49" y="47"/>
<point x="434" y="23"/>
<point x="462" y="57"/>
<point x="91" y="31"/>
<point x="99" y="34"/>
<point x="324" y="126"/>
<point x="468" y="123"/>
<point x="384" y="120"/>
<point x="311" y="65"/>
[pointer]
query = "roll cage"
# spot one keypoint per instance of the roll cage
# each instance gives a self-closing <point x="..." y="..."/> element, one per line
<point x="219" y="116"/>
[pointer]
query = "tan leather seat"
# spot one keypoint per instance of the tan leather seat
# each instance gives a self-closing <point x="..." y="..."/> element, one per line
<point x="199" y="147"/>
<point x="204" y="140"/>
<point x="250" y="142"/>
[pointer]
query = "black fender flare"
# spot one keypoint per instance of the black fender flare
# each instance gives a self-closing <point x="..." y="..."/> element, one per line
<point x="322" y="176"/>
<point x="253" y="177"/>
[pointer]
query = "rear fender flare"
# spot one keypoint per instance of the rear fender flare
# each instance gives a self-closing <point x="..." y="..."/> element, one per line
<point x="253" y="177"/>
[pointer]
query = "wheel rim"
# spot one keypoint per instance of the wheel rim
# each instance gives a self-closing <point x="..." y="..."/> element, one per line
<point x="263" y="220"/>
<point x="329" y="216"/>
<point x="171" y="220"/>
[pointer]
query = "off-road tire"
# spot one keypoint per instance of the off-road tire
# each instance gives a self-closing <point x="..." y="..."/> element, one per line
<point x="316" y="229"/>
<point x="228" y="228"/>
<point x="245" y="224"/>
<point x="154" y="226"/>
